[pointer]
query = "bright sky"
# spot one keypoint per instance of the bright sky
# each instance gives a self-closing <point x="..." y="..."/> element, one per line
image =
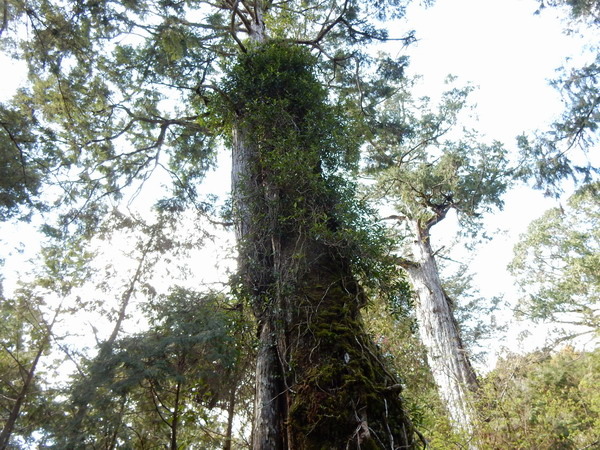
<point x="500" y="46"/>
<point x="506" y="50"/>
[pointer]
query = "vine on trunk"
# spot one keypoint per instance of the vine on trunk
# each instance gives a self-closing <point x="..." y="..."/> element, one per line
<point x="305" y="244"/>
<point x="305" y="151"/>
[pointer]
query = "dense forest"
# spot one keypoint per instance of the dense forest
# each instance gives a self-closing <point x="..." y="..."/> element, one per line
<point x="218" y="231"/>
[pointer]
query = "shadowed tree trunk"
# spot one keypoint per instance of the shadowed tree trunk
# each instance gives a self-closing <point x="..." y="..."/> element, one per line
<point x="320" y="382"/>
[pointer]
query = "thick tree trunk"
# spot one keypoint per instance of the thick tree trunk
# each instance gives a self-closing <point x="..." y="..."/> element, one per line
<point x="320" y="382"/>
<point x="439" y="333"/>
<point x="338" y="393"/>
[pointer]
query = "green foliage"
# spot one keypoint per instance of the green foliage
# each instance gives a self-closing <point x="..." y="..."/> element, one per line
<point x="162" y="384"/>
<point x="30" y="341"/>
<point x="123" y="88"/>
<point x="94" y="120"/>
<point x="557" y="263"/>
<point x="551" y="156"/>
<point x="580" y="9"/>
<point x="535" y="401"/>
<point x="542" y="401"/>
<point x="24" y="339"/>
<point x="23" y="158"/>
<point x="306" y="153"/>
<point x="560" y="152"/>
<point x="273" y="90"/>
<point x="423" y="173"/>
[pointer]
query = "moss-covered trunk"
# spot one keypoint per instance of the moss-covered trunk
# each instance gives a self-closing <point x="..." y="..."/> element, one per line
<point x="320" y="382"/>
<point x="338" y="392"/>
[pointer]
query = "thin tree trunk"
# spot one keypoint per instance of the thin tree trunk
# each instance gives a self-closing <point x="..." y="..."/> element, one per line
<point x="129" y="294"/>
<point x="16" y="409"/>
<point x="230" y="417"/>
<point x="438" y="329"/>
<point x="175" y="421"/>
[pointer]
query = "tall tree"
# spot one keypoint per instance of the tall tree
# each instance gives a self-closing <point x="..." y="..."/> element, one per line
<point x="557" y="265"/>
<point x="316" y="368"/>
<point x="32" y="313"/>
<point x="424" y="175"/>
<point x="101" y="74"/>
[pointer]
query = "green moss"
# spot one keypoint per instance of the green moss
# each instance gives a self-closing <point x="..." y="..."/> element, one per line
<point x="301" y="202"/>
<point x="346" y="385"/>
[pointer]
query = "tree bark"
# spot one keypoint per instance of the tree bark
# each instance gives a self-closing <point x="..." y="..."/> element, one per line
<point x="254" y="263"/>
<point x="320" y="382"/>
<point x="439" y="333"/>
<point x="16" y="409"/>
<point x="230" y="416"/>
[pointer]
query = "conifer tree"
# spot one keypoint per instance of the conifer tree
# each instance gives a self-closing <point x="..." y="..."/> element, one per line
<point x="425" y="167"/>
<point x="103" y="78"/>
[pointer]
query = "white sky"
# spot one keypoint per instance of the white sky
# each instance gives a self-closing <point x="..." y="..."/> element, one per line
<point x="500" y="46"/>
<point x="509" y="53"/>
<point x="506" y="50"/>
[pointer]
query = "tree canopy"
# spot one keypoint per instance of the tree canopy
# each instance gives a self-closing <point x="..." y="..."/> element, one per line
<point x="134" y="98"/>
<point x="565" y="149"/>
<point x="557" y="263"/>
<point x="119" y="91"/>
<point x="426" y="165"/>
